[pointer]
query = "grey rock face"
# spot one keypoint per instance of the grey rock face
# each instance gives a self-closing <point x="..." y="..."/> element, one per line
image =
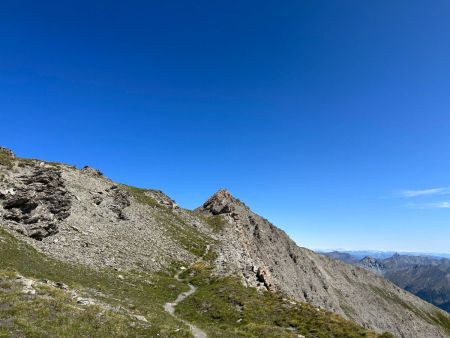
<point x="83" y="217"/>
<point x="115" y="199"/>
<point x="37" y="201"/>
<point x="220" y="203"/>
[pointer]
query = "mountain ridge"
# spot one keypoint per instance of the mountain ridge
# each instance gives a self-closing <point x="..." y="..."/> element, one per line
<point x="424" y="276"/>
<point x="81" y="217"/>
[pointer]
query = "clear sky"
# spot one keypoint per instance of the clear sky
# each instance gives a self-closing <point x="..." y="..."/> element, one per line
<point x="330" y="118"/>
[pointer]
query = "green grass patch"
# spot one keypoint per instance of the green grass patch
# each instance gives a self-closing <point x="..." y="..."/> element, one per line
<point x="138" y="292"/>
<point x="53" y="313"/>
<point x="140" y="196"/>
<point x="187" y="236"/>
<point x="216" y="222"/>
<point x="8" y="161"/>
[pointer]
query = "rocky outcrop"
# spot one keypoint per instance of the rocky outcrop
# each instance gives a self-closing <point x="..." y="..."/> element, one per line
<point x="263" y="274"/>
<point x="221" y="202"/>
<point x="7" y="152"/>
<point x="115" y="199"/>
<point x="36" y="202"/>
<point x="91" y="171"/>
<point x="372" y="264"/>
<point x="162" y="199"/>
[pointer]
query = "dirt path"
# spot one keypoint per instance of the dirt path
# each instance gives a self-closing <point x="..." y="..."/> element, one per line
<point x="170" y="307"/>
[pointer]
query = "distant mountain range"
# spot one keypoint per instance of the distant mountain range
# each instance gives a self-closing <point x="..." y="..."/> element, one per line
<point x="378" y="254"/>
<point x="425" y="276"/>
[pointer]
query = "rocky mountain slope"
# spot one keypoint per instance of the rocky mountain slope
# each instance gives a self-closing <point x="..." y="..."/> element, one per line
<point x="118" y="248"/>
<point x="426" y="277"/>
<point x="264" y="255"/>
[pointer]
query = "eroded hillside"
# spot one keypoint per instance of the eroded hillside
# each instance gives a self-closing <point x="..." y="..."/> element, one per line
<point x="110" y="252"/>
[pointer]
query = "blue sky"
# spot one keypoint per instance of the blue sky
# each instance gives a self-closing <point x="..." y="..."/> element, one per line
<point x="330" y="118"/>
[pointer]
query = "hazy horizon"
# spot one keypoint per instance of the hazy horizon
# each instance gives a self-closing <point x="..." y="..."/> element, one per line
<point x="445" y="254"/>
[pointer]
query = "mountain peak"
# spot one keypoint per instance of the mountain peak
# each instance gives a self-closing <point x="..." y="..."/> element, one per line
<point x="222" y="202"/>
<point x="223" y="194"/>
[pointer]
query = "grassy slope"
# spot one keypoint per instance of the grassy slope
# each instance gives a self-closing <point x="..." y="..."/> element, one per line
<point x="223" y="307"/>
<point x="52" y="312"/>
<point x="58" y="316"/>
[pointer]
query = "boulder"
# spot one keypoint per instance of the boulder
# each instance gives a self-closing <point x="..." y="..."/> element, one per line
<point x="264" y="276"/>
<point x="91" y="171"/>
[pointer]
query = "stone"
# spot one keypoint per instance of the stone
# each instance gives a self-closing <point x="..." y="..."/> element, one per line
<point x="264" y="276"/>
<point x="61" y="286"/>
<point x="141" y="318"/>
<point x="84" y="301"/>
<point x="28" y="285"/>
<point x="7" y="191"/>
<point x="91" y="171"/>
